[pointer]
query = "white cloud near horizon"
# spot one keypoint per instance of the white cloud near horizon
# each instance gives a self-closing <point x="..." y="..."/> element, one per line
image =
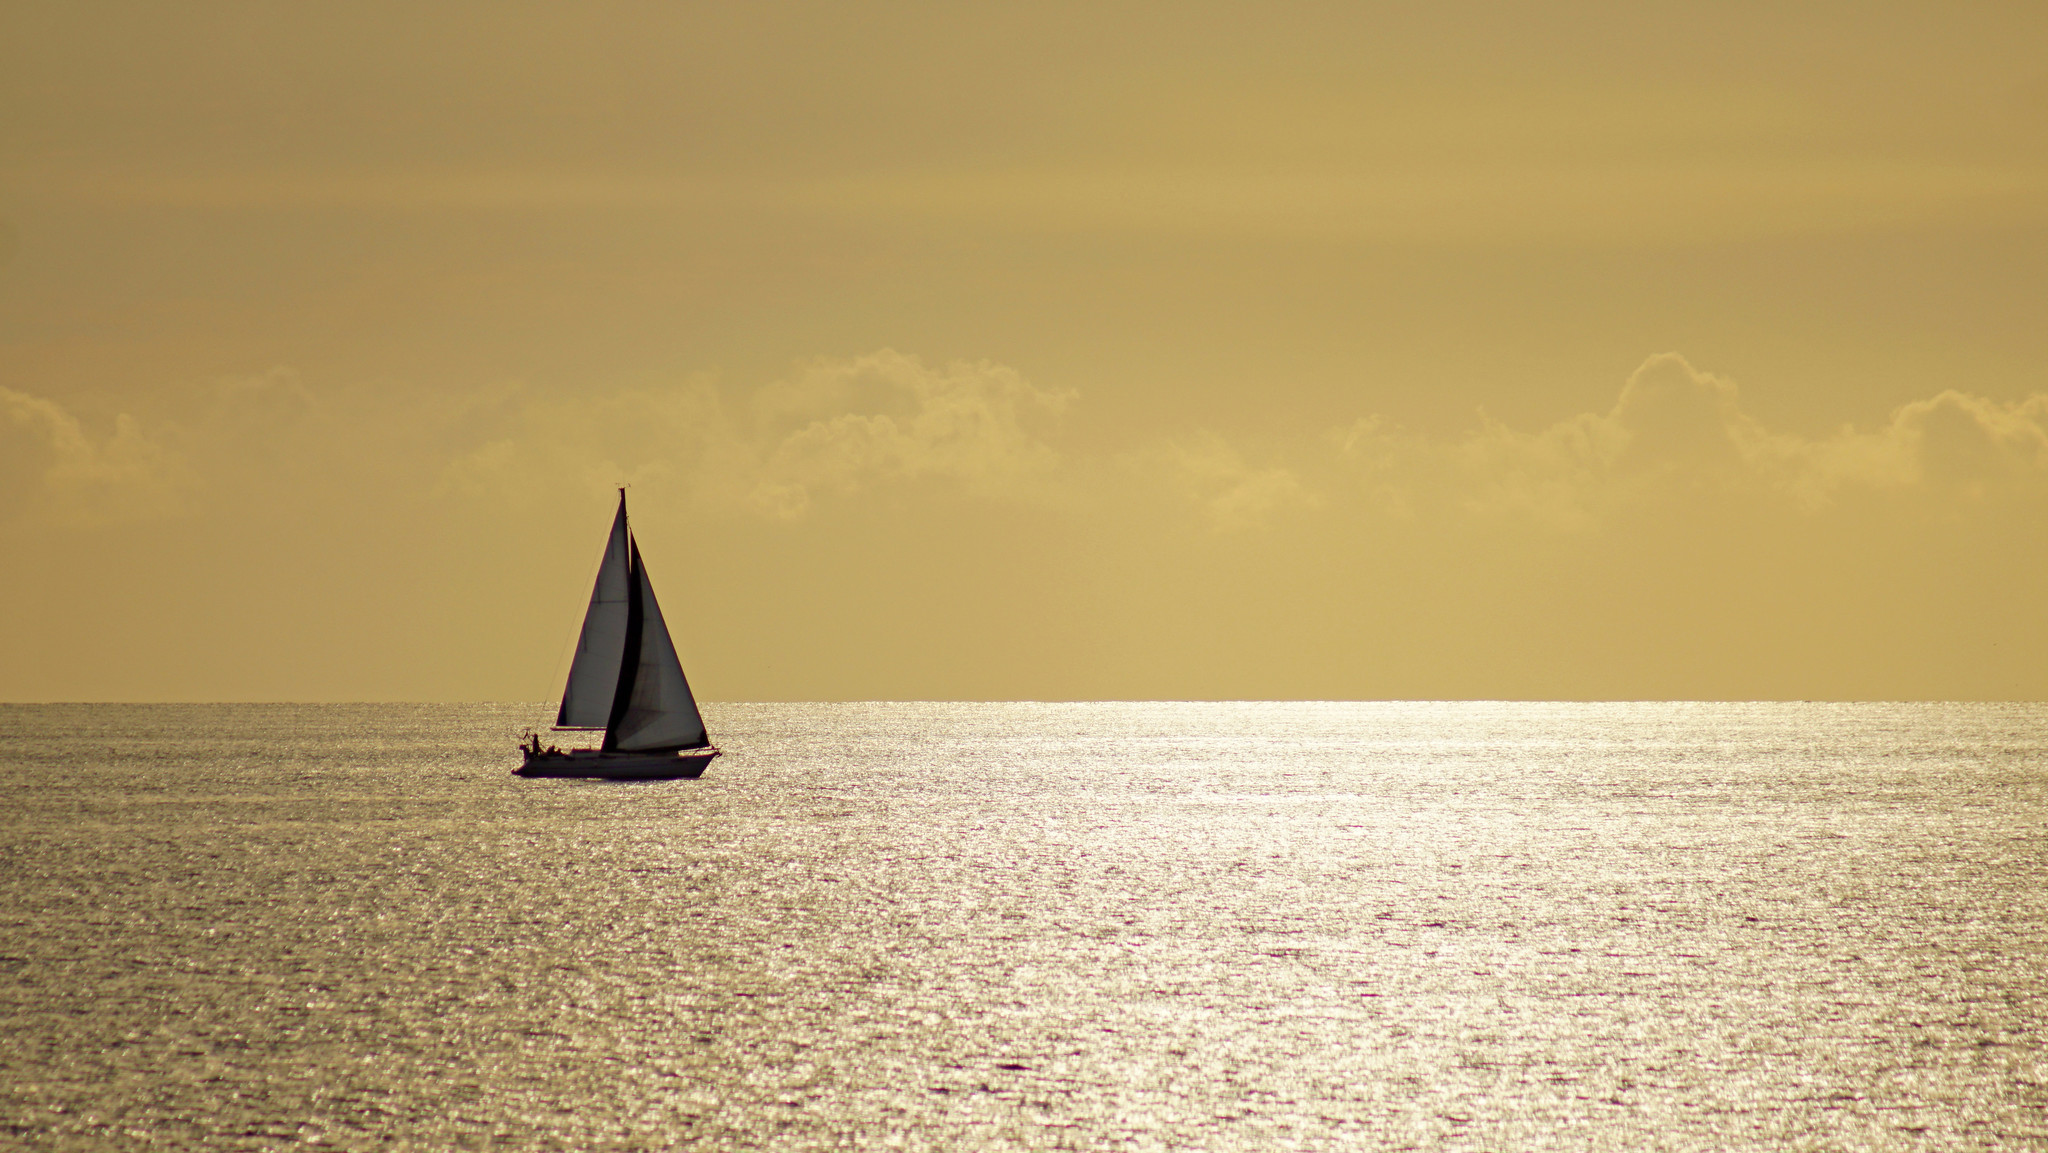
<point x="843" y="425"/>
<point x="1676" y="434"/>
<point x="54" y="469"/>
<point x="1232" y="493"/>
<point x="853" y="427"/>
<point x="839" y="426"/>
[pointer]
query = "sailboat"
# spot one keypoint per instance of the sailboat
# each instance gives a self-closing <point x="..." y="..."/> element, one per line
<point x="626" y="680"/>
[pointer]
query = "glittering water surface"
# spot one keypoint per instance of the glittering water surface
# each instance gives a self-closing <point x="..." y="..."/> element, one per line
<point x="1258" y="926"/>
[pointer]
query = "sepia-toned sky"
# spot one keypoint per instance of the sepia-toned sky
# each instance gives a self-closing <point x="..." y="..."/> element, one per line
<point x="1298" y="350"/>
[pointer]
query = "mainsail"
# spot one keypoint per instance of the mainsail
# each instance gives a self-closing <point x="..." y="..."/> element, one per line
<point x="626" y="678"/>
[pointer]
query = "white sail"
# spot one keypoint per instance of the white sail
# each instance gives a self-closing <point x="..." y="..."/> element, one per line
<point x="662" y="712"/>
<point x="594" y="676"/>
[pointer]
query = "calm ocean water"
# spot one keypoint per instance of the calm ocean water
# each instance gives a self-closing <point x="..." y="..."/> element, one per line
<point x="985" y="926"/>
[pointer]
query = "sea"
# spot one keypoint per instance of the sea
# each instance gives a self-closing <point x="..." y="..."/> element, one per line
<point x="1113" y="926"/>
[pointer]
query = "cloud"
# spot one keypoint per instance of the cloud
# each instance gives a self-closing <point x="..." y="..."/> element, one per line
<point x="1958" y="439"/>
<point x="59" y="471"/>
<point x="846" y="425"/>
<point x="1676" y="441"/>
<point x="1232" y="493"/>
<point x="515" y="444"/>
<point x="1677" y="435"/>
<point x="839" y="426"/>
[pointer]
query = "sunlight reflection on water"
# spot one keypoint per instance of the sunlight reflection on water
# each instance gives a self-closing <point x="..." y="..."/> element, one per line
<point x="1234" y="926"/>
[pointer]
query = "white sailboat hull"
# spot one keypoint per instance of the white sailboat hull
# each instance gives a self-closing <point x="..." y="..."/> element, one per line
<point x="616" y="766"/>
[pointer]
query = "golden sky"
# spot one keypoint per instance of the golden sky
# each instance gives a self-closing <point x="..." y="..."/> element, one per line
<point x="1562" y="350"/>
